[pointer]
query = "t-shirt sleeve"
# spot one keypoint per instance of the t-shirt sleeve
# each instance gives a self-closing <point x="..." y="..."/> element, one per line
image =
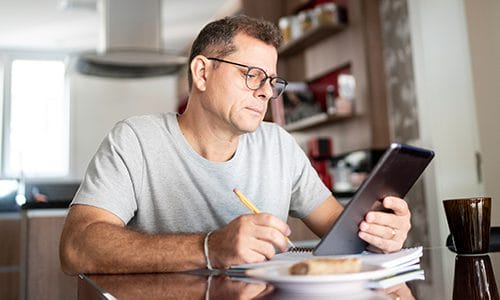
<point x="308" y="191"/>
<point x="114" y="175"/>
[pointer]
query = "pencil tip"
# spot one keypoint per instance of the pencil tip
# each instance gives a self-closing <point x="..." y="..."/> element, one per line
<point x="235" y="190"/>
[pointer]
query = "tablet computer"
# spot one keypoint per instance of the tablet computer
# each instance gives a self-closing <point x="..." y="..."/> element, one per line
<point x="394" y="174"/>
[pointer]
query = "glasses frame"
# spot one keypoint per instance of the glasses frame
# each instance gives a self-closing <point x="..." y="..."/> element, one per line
<point x="250" y="68"/>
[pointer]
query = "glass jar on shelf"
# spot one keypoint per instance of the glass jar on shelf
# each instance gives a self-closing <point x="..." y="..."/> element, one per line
<point x="285" y="26"/>
<point x="307" y="20"/>
<point x="327" y="14"/>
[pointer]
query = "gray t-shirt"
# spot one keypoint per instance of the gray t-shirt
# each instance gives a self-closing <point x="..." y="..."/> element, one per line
<point x="146" y="173"/>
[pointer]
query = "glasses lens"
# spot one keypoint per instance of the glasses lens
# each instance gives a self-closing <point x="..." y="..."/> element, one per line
<point x="254" y="78"/>
<point x="278" y="85"/>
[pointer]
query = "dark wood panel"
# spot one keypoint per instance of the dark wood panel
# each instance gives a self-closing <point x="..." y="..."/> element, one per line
<point x="10" y="227"/>
<point x="376" y="76"/>
<point x="9" y="237"/>
<point x="41" y="265"/>
<point x="265" y="9"/>
<point x="9" y="285"/>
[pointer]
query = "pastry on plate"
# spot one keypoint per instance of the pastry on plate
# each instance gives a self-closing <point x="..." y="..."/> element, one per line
<point x="326" y="266"/>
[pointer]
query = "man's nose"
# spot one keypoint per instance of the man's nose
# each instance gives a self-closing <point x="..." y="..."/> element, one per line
<point x="266" y="90"/>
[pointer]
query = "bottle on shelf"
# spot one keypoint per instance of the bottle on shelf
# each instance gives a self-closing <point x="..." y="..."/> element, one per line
<point x="341" y="177"/>
<point x="330" y="99"/>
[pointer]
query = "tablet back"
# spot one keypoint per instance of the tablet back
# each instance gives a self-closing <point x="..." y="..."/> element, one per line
<point x="394" y="175"/>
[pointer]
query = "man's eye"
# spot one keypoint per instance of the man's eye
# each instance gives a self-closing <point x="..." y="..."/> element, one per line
<point x="249" y="75"/>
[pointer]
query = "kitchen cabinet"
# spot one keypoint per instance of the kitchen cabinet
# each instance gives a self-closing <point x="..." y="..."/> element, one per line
<point x="10" y="226"/>
<point x="40" y="272"/>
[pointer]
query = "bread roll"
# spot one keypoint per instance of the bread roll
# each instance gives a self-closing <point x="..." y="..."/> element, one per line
<point x="326" y="266"/>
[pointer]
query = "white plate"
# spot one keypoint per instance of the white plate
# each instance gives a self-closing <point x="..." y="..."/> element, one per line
<point x="281" y="279"/>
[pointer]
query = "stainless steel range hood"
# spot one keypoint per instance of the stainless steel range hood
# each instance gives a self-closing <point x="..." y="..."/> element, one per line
<point x="130" y="43"/>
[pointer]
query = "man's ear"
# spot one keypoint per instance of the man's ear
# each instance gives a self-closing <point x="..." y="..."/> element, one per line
<point x="199" y="71"/>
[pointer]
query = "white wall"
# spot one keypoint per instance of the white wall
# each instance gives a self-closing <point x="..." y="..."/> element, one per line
<point x="98" y="103"/>
<point x="483" y="22"/>
<point x="446" y="111"/>
<point x="445" y="100"/>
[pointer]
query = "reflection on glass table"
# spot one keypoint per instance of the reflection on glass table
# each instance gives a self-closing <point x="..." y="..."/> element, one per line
<point x="447" y="276"/>
<point x="190" y="286"/>
<point x="474" y="278"/>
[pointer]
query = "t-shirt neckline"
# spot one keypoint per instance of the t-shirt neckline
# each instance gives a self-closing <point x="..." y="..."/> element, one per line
<point x="186" y="148"/>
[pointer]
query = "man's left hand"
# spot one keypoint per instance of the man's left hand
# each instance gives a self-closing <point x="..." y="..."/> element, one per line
<point x="386" y="232"/>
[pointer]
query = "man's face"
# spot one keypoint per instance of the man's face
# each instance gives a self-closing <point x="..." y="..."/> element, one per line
<point x="233" y="105"/>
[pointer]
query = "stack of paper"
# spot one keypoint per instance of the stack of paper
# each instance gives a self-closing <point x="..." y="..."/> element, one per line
<point x="401" y="266"/>
<point x="405" y="265"/>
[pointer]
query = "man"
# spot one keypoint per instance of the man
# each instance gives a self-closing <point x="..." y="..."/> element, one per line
<point x="157" y="196"/>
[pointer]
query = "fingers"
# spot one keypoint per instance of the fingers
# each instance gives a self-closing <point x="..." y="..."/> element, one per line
<point x="400" y="219"/>
<point x="384" y="245"/>
<point x="271" y="229"/>
<point x="381" y="231"/>
<point x="385" y="238"/>
<point x="392" y="221"/>
<point x="387" y="231"/>
<point x="249" y="238"/>
<point x="265" y="219"/>
<point x="397" y="205"/>
<point x="400" y="291"/>
<point x="256" y="251"/>
<point x="271" y="236"/>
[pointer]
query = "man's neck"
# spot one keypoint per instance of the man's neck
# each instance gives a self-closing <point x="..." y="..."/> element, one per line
<point x="206" y="138"/>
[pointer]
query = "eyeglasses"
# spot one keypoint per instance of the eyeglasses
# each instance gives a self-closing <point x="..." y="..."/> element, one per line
<point x="255" y="78"/>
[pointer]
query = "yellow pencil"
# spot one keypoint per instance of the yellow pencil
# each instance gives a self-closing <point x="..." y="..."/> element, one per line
<point x="254" y="209"/>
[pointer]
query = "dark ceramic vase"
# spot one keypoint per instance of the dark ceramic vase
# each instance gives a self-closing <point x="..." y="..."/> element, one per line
<point x="469" y="223"/>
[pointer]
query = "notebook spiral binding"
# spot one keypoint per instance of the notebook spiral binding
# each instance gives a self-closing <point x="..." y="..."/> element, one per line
<point x="301" y="249"/>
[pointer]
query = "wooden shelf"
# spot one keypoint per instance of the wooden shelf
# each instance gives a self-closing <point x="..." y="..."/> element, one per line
<point x="316" y="120"/>
<point x="309" y="38"/>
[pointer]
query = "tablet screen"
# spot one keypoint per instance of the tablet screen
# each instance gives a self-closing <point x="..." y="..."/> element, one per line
<point x="395" y="173"/>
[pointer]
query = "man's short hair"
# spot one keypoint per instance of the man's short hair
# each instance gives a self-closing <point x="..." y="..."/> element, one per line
<point x="216" y="38"/>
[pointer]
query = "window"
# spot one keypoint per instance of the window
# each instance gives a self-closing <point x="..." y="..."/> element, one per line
<point x="36" y="139"/>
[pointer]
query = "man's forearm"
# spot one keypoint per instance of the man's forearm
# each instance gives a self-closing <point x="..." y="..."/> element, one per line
<point x="107" y="248"/>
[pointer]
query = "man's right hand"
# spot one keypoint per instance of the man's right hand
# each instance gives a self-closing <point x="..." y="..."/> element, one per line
<point x="248" y="239"/>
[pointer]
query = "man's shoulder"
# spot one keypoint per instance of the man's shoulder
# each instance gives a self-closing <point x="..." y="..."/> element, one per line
<point x="141" y="126"/>
<point x="146" y="120"/>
